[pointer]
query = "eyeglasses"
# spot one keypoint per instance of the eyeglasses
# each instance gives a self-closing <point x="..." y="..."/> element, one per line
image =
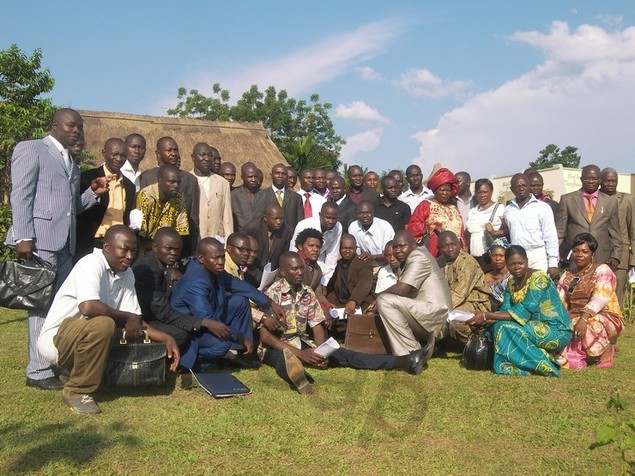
<point x="574" y="283"/>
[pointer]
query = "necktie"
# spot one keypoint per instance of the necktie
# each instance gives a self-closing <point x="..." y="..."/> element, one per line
<point x="308" y="211"/>
<point x="590" y="207"/>
<point x="67" y="161"/>
<point x="279" y="194"/>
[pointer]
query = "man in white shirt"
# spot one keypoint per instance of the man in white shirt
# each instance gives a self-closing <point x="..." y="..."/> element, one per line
<point x="326" y="223"/>
<point x="97" y="297"/>
<point x="215" y="204"/>
<point x="417" y="192"/>
<point x="371" y="234"/>
<point x="311" y="201"/>
<point x="465" y="199"/>
<point x="136" y="151"/>
<point x="388" y="274"/>
<point x="531" y="225"/>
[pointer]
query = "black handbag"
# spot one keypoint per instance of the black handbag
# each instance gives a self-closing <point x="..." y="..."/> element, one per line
<point x="136" y="364"/>
<point x="489" y="239"/>
<point x="26" y="286"/>
<point x="478" y="353"/>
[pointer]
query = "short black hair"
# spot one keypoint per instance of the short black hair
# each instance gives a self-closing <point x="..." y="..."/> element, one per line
<point x="587" y="238"/>
<point x="483" y="181"/>
<point x="306" y="234"/>
<point x="515" y="250"/>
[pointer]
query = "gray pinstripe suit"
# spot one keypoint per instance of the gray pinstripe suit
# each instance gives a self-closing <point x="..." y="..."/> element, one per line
<point x="44" y="202"/>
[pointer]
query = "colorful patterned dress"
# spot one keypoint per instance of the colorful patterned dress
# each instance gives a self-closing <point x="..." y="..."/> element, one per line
<point x="592" y="290"/>
<point x="430" y="214"/>
<point x="540" y="327"/>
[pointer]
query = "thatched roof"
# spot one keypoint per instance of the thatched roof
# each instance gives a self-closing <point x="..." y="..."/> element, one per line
<point x="237" y="142"/>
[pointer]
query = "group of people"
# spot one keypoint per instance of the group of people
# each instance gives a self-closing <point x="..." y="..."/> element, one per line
<point x="223" y="273"/>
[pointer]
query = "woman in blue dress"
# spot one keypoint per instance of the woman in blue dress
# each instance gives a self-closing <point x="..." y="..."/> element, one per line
<point x="532" y="324"/>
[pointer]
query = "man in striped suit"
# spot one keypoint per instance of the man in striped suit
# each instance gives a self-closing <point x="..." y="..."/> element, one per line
<point x="45" y="200"/>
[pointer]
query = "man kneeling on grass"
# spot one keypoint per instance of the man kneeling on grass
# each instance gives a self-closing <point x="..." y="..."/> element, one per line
<point x="287" y="348"/>
<point x="97" y="297"/>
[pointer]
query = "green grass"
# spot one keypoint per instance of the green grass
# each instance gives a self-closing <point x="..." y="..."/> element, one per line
<point x="446" y="421"/>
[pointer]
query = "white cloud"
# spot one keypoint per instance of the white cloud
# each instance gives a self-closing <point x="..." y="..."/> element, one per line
<point x="302" y="69"/>
<point x="367" y="73"/>
<point x="422" y="83"/>
<point x="582" y="95"/>
<point x="366" y="141"/>
<point x="359" y="110"/>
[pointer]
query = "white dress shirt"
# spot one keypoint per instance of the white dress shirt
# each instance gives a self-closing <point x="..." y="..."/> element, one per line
<point x="316" y="200"/>
<point x="330" y="249"/>
<point x="372" y="241"/>
<point x="475" y="224"/>
<point x="413" y="200"/>
<point x="91" y="279"/>
<point x="533" y="227"/>
<point x="385" y="278"/>
<point x="130" y="174"/>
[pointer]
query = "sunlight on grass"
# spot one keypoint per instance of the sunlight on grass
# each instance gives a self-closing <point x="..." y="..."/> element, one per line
<point x="446" y="421"/>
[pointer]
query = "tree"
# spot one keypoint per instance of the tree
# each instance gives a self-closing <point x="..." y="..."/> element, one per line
<point x="303" y="131"/>
<point x="552" y="155"/>
<point x="23" y="115"/>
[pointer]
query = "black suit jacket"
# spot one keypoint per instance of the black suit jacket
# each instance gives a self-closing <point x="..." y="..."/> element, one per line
<point x="88" y="222"/>
<point x="347" y="213"/>
<point x="280" y="243"/>
<point x="291" y="204"/>
<point x="151" y="283"/>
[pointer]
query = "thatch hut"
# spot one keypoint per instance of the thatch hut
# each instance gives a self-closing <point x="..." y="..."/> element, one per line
<point x="237" y="142"/>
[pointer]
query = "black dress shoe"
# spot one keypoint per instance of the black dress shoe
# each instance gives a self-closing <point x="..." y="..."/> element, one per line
<point x="241" y="363"/>
<point x="51" y="383"/>
<point x="419" y="358"/>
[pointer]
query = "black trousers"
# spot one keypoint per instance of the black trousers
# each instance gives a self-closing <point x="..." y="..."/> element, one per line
<point x="339" y="358"/>
<point x="181" y="336"/>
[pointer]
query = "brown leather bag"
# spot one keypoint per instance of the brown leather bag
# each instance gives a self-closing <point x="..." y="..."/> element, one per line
<point x="366" y="333"/>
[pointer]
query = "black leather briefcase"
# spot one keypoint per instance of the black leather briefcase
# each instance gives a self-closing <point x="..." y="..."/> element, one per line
<point x="136" y="364"/>
<point x="26" y="286"/>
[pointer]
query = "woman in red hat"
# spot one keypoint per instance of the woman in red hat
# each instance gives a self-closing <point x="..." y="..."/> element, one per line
<point x="437" y="214"/>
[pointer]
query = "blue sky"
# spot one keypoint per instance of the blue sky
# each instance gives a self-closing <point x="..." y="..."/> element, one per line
<point x="478" y="86"/>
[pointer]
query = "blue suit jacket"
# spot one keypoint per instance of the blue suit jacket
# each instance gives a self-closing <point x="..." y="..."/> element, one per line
<point x="203" y="295"/>
<point x="45" y="198"/>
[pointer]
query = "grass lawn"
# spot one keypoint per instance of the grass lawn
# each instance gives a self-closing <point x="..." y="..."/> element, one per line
<point x="446" y="421"/>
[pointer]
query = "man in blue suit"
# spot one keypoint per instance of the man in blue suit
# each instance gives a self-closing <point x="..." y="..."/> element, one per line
<point x="45" y="200"/>
<point x="207" y="292"/>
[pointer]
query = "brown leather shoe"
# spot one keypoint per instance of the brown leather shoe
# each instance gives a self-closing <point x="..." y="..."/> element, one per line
<point x="296" y="373"/>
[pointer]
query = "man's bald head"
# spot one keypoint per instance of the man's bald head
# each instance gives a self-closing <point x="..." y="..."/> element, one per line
<point x="166" y="233"/>
<point x="402" y="245"/>
<point x="116" y="231"/>
<point x="67" y="126"/>
<point x="120" y="247"/>
<point x="208" y="245"/>
<point x="590" y="178"/>
<point x="608" y="181"/>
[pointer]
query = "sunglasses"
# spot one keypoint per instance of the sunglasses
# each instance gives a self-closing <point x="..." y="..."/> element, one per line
<point x="574" y="283"/>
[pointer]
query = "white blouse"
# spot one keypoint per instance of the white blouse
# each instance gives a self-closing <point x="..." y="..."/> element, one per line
<point x="475" y="224"/>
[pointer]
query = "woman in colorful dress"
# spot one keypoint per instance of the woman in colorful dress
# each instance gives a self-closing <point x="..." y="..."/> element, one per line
<point x="589" y="295"/>
<point x="532" y="325"/>
<point x="437" y="214"/>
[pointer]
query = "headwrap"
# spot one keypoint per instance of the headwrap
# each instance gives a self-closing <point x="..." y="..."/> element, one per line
<point x="441" y="177"/>
<point x="501" y="242"/>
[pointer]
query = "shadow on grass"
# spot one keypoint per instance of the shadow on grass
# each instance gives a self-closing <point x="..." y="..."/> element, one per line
<point x="11" y="321"/>
<point x="60" y="444"/>
<point x="107" y="394"/>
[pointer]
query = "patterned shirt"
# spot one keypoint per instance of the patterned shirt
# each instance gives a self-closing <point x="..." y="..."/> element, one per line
<point x="301" y="308"/>
<point x="155" y="215"/>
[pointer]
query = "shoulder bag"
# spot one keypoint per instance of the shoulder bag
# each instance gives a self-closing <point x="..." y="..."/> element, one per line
<point x="27" y="286"/>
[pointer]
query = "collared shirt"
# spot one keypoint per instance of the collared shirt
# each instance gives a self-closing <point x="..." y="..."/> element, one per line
<point x="532" y="227"/>
<point x="116" y="203"/>
<point x="396" y="213"/>
<point x="374" y="239"/>
<point x="326" y="193"/>
<point x="464" y="206"/>
<point x="64" y="151"/>
<point x="232" y="268"/>
<point x="315" y="199"/>
<point x="91" y="279"/>
<point x="330" y="249"/>
<point x="278" y="192"/>
<point x="413" y="200"/>
<point x="594" y="197"/>
<point x="385" y="278"/>
<point x="131" y="174"/>
<point x="156" y="215"/>
<point x="301" y="308"/>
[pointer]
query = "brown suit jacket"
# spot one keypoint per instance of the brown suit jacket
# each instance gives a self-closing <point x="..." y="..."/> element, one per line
<point x="360" y="284"/>
<point x="571" y="220"/>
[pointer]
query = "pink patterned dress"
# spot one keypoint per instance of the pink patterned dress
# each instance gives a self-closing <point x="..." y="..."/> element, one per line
<point x="591" y="290"/>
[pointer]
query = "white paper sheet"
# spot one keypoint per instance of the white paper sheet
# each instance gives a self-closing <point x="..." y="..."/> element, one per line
<point x="327" y="348"/>
<point x="338" y="312"/>
<point x="267" y="277"/>
<point x="459" y="316"/>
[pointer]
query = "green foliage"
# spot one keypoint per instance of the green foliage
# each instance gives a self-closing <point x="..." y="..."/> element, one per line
<point x="619" y="430"/>
<point x="302" y="130"/>
<point x="6" y="252"/>
<point x="22" y="115"/>
<point x="551" y="155"/>
<point x="88" y="161"/>
<point x="405" y="184"/>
